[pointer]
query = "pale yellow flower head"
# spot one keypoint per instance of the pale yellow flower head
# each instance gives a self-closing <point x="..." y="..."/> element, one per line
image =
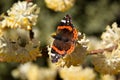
<point x="22" y="15"/>
<point x="77" y="73"/>
<point x="111" y="36"/>
<point x="31" y="71"/>
<point x="59" y="5"/>
<point x="17" y="46"/>
<point x="108" y="62"/>
<point x="107" y="77"/>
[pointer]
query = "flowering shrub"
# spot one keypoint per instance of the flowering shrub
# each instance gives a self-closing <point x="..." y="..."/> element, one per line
<point x="19" y="43"/>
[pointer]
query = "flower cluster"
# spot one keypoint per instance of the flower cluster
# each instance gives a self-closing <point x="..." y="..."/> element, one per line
<point x="77" y="73"/>
<point x="17" y="38"/>
<point x="59" y="5"/>
<point x="109" y="61"/>
<point x="32" y="71"/>
<point x="22" y="14"/>
<point x="107" y="77"/>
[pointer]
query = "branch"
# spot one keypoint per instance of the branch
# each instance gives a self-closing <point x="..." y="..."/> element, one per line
<point x="102" y="50"/>
<point x="29" y="0"/>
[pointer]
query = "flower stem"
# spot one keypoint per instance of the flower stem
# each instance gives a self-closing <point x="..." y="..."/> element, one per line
<point x="29" y="0"/>
<point x="102" y="50"/>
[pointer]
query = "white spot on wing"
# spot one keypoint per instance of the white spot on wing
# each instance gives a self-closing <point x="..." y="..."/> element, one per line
<point x="64" y="21"/>
<point x="67" y="21"/>
<point x="52" y="54"/>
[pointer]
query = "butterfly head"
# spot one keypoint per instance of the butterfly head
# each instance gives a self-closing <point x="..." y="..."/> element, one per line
<point x="66" y="21"/>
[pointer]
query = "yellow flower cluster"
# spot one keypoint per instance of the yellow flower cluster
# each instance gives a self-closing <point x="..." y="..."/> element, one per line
<point x="109" y="61"/>
<point x="32" y="71"/>
<point x="17" y="38"/>
<point x="77" y="73"/>
<point x="59" y="5"/>
<point x="21" y="15"/>
<point x="107" y="77"/>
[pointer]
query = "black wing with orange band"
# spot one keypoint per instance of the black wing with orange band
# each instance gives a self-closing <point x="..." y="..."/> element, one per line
<point x="65" y="38"/>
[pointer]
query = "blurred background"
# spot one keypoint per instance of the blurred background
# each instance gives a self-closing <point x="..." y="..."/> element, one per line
<point x="89" y="16"/>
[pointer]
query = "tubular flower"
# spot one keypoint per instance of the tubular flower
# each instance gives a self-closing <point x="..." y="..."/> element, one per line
<point x="17" y="46"/>
<point x="59" y="5"/>
<point x="109" y="61"/>
<point x="21" y="15"/>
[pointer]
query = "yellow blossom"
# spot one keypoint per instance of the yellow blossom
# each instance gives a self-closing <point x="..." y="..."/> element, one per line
<point x="107" y="77"/>
<point x="77" y="73"/>
<point x="59" y="5"/>
<point x="111" y="36"/>
<point x="108" y="62"/>
<point x="21" y="15"/>
<point x="16" y="46"/>
<point x="32" y="71"/>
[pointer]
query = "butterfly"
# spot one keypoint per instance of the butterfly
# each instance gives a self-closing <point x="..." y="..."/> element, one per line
<point x="64" y="39"/>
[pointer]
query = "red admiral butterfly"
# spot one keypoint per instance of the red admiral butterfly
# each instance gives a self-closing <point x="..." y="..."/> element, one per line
<point x="65" y="39"/>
